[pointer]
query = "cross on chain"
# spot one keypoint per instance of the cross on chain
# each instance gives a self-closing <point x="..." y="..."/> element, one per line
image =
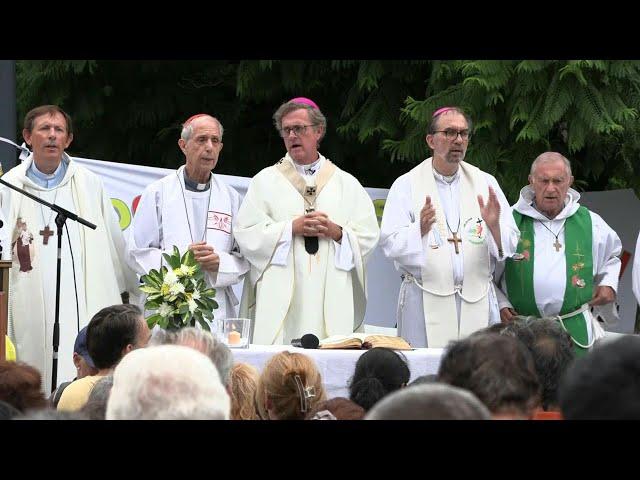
<point x="557" y="244"/>
<point x="46" y="233"/>
<point x="455" y="240"/>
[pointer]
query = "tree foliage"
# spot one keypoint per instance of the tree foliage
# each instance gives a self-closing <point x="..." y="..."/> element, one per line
<point x="377" y="111"/>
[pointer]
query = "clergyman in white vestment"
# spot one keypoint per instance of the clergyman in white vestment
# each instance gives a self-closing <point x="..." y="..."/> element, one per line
<point x="444" y="225"/>
<point x="192" y="209"/>
<point x="93" y="271"/>
<point x="307" y="228"/>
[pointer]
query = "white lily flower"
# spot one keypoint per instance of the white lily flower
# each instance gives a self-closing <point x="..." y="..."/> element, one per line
<point x="165" y="309"/>
<point x="176" y="289"/>
<point x="170" y="278"/>
<point x="192" y="306"/>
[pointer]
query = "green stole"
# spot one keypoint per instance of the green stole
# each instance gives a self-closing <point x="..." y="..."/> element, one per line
<point x="579" y="266"/>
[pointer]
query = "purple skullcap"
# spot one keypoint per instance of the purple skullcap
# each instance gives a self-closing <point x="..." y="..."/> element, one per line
<point x="306" y="101"/>
<point x="441" y="110"/>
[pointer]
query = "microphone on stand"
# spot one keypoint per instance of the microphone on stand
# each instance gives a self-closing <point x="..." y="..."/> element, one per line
<point x="306" y="341"/>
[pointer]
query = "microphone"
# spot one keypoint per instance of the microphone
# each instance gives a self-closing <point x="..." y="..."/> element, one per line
<point x="311" y="245"/>
<point x="307" y="341"/>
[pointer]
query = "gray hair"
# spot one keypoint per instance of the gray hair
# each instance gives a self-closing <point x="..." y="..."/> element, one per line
<point x="187" y="129"/>
<point x="96" y="406"/>
<point x="429" y="402"/>
<point x="204" y="342"/>
<point x="316" y="117"/>
<point x="169" y="382"/>
<point x="550" y="157"/>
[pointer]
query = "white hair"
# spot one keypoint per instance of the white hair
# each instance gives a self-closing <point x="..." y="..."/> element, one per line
<point x="168" y="382"/>
<point x="187" y="130"/>
<point x="550" y="157"/>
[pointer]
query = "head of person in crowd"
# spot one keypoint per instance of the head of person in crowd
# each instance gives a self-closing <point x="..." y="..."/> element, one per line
<point x="448" y="137"/>
<point x="604" y="384"/>
<point x="338" y="408"/>
<point x="552" y="351"/>
<point x="20" y="386"/>
<point x="49" y="132"/>
<point x="115" y="331"/>
<point x="96" y="406"/>
<point x="435" y="401"/>
<point x="204" y="342"/>
<point x="81" y="358"/>
<point x="424" y="379"/>
<point x="302" y="126"/>
<point x="289" y="387"/>
<point x="243" y="384"/>
<point x="498" y="369"/>
<point x="8" y="411"/>
<point x="51" y="414"/>
<point x="378" y="372"/>
<point x="201" y="143"/>
<point x="83" y="363"/>
<point x="550" y="179"/>
<point x="167" y="382"/>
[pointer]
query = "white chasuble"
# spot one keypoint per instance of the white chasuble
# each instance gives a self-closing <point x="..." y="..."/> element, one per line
<point x="439" y="288"/>
<point x="169" y="215"/>
<point x="308" y="293"/>
<point x="94" y="266"/>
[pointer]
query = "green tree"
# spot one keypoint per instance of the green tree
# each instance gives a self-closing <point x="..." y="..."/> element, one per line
<point x="587" y="110"/>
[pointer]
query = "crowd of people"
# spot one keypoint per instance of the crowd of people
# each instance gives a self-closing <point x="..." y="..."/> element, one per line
<point x="514" y="294"/>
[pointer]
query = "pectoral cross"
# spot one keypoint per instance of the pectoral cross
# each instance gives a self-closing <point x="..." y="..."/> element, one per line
<point x="557" y="244"/>
<point x="455" y="240"/>
<point x="46" y="233"/>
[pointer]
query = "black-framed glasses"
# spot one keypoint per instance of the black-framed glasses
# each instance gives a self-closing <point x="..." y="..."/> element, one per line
<point x="452" y="134"/>
<point x="296" y="129"/>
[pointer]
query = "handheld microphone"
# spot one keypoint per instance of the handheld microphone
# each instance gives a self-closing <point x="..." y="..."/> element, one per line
<point x="311" y="245"/>
<point x="306" y="341"/>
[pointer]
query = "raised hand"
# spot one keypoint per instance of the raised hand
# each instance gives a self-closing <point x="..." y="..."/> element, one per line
<point x="491" y="211"/>
<point x="427" y="216"/>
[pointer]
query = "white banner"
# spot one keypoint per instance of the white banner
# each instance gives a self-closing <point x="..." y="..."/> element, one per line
<point x="125" y="183"/>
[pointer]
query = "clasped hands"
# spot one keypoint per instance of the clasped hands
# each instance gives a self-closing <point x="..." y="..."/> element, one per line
<point x="206" y="256"/>
<point x="316" y="224"/>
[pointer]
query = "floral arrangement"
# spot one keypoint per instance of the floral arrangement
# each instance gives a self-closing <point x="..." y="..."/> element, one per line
<point x="178" y="295"/>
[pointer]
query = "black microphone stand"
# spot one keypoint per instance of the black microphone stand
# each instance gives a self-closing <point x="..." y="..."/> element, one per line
<point x="61" y="218"/>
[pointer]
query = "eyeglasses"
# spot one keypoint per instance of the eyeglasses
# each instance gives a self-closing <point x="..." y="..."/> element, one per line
<point x="296" y="129"/>
<point x="452" y="134"/>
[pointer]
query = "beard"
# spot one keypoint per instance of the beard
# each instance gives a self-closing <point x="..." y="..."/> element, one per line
<point x="455" y="157"/>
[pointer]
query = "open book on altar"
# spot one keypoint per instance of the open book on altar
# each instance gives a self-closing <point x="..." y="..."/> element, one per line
<point x="364" y="341"/>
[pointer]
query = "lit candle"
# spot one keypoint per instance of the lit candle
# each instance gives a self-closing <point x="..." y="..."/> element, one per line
<point x="234" y="338"/>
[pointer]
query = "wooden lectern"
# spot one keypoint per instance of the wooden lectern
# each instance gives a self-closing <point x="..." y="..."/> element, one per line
<point x="5" y="268"/>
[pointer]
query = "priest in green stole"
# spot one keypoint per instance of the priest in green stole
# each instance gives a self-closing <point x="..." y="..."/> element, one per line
<point x="567" y="260"/>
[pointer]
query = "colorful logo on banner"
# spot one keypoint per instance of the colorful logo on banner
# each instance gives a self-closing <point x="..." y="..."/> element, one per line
<point x="124" y="213"/>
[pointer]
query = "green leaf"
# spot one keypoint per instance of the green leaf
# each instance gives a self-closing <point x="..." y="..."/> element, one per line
<point x="153" y="320"/>
<point x="151" y="305"/>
